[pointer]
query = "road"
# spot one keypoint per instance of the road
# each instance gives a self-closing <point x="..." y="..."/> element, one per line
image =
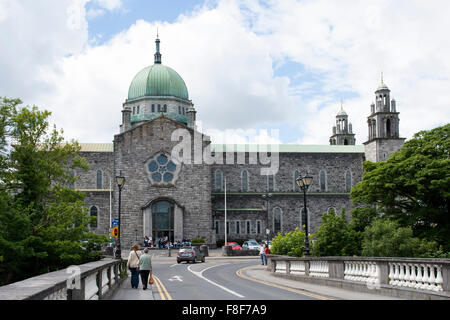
<point x="216" y="280"/>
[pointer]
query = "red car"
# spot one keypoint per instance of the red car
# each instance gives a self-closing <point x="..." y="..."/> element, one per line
<point x="234" y="245"/>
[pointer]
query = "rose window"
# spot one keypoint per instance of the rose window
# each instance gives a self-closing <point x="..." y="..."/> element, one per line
<point x="162" y="169"/>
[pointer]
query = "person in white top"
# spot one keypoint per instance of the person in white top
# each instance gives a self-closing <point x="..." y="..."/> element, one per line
<point x="262" y="253"/>
<point x="133" y="265"/>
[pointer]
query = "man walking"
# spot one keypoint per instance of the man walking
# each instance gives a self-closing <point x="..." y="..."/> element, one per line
<point x="145" y="267"/>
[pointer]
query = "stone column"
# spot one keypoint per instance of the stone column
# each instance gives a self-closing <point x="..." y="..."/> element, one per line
<point x="178" y="223"/>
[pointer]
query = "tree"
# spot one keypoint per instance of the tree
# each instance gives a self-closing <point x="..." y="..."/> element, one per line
<point x="385" y="238"/>
<point x="413" y="185"/>
<point x="332" y="237"/>
<point x="43" y="223"/>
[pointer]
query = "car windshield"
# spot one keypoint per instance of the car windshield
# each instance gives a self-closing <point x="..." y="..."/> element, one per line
<point x="253" y="243"/>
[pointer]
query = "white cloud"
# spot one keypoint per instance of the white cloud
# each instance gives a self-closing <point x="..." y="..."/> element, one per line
<point x="226" y="54"/>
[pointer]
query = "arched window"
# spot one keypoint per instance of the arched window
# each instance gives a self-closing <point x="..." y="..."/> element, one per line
<point x="388" y="127"/>
<point x="99" y="179"/>
<point x="345" y="142"/>
<point x="153" y="108"/>
<point x="348" y="181"/>
<point x="219" y="180"/>
<point x="331" y="209"/>
<point x="248" y="226"/>
<point x="323" y="181"/>
<point x="137" y="109"/>
<point x="238" y="227"/>
<point x="165" y="108"/>
<point x="270" y="182"/>
<point x="244" y="180"/>
<point x="159" y="108"/>
<point x="93" y="212"/>
<point x="296" y="176"/>
<point x="277" y="220"/>
<point x="258" y="226"/>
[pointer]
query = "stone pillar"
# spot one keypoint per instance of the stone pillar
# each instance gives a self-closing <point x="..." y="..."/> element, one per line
<point x="126" y="119"/>
<point x="178" y="221"/>
<point x="190" y="113"/>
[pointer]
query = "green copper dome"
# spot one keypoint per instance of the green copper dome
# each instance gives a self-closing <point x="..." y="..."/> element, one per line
<point x="157" y="80"/>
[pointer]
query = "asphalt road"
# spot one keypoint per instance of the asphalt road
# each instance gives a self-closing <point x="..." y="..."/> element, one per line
<point x="215" y="280"/>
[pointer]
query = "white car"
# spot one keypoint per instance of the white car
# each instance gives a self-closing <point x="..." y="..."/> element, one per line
<point x="250" y="245"/>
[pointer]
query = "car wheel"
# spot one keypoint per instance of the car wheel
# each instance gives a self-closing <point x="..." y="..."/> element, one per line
<point x="195" y="260"/>
<point x="203" y="260"/>
<point x="178" y="261"/>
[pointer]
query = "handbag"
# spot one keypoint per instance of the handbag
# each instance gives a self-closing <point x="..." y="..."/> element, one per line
<point x="139" y="259"/>
<point x="150" y="280"/>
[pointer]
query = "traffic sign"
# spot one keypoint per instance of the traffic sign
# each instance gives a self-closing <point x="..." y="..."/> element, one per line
<point x="115" y="232"/>
<point x="115" y="223"/>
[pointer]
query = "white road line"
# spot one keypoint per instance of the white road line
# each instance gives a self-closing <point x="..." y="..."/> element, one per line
<point x="200" y="275"/>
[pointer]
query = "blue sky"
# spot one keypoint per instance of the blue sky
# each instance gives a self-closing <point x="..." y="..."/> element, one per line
<point x="247" y="64"/>
<point x="117" y="20"/>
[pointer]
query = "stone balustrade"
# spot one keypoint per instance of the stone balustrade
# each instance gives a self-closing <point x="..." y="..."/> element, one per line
<point x="92" y="281"/>
<point x="399" y="277"/>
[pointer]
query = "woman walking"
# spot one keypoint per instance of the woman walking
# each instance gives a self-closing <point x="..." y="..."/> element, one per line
<point x="145" y="268"/>
<point x="133" y="265"/>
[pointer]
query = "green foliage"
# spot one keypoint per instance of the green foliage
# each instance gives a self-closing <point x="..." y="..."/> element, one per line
<point x="385" y="238"/>
<point x="290" y="244"/>
<point x="43" y="223"/>
<point x="198" y="240"/>
<point x="413" y="185"/>
<point x="332" y="237"/>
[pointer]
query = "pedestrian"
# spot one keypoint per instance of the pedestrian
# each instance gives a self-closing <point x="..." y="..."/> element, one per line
<point x="145" y="267"/>
<point x="133" y="265"/>
<point x="262" y="253"/>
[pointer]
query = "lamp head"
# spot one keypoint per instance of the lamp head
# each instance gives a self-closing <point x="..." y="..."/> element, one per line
<point x="304" y="182"/>
<point x="120" y="182"/>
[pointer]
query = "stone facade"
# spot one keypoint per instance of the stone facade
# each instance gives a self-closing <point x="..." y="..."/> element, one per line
<point x="164" y="195"/>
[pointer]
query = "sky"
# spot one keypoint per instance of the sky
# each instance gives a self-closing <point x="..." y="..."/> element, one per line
<point x="278" y="70"/>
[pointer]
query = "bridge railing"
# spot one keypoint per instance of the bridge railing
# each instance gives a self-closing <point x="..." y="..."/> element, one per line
<point x="91" y="281"/>
<point x="397" y="277"/>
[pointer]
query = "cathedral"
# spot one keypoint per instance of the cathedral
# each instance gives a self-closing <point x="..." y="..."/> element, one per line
<point x="180" y="185"/>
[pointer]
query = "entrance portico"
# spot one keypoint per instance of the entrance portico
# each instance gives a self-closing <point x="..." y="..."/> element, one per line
<point x="163" y="217"/>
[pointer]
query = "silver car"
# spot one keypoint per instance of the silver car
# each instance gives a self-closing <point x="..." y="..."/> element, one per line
<point x="250" y="245"/>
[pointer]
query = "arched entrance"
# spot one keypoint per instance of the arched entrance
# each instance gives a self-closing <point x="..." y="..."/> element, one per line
<point x="163" y="220"/>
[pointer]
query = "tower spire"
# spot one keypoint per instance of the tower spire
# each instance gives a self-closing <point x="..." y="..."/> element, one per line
<point x="382" y="82"/>
<point x="157" y="54"/>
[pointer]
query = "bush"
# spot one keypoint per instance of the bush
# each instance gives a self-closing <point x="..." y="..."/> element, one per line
<point x="198" y="240"/>
<point x="334" y="236"/>
<point x="290" y="244"/>
<point x="386" y="239"/>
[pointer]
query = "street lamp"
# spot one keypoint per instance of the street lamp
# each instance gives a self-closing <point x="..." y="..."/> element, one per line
<point x="266" y="197"/>
<point x="304" y="184"/>
<point x="120" y="180"/>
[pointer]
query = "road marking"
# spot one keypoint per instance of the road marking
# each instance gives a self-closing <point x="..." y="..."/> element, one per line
<point x="298" y="291"/>
<point x="200" y="275"/>
<point x="176" y="278"/>
<point x="160" y="285"/>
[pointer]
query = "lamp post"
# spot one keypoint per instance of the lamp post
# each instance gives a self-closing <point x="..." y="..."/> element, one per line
<point x="304" y="184"/>
<point x="266" y="197"/>
<point x="120" y="180"/>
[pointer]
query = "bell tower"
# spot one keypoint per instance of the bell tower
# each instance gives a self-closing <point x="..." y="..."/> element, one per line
<point x="383" y="125"/>
<point x="342" y="131"/>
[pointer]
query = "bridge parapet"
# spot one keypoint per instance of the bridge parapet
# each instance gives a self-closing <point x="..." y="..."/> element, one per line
<point x="408" y="278"/>
<point x="91" y="281"/>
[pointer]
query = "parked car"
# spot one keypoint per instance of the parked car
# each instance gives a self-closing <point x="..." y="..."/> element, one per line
<point x="250" y="245"/>
<point x="270" y="243"/>
<point x="190" y="254"/>
<point x="234" y="245"/>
